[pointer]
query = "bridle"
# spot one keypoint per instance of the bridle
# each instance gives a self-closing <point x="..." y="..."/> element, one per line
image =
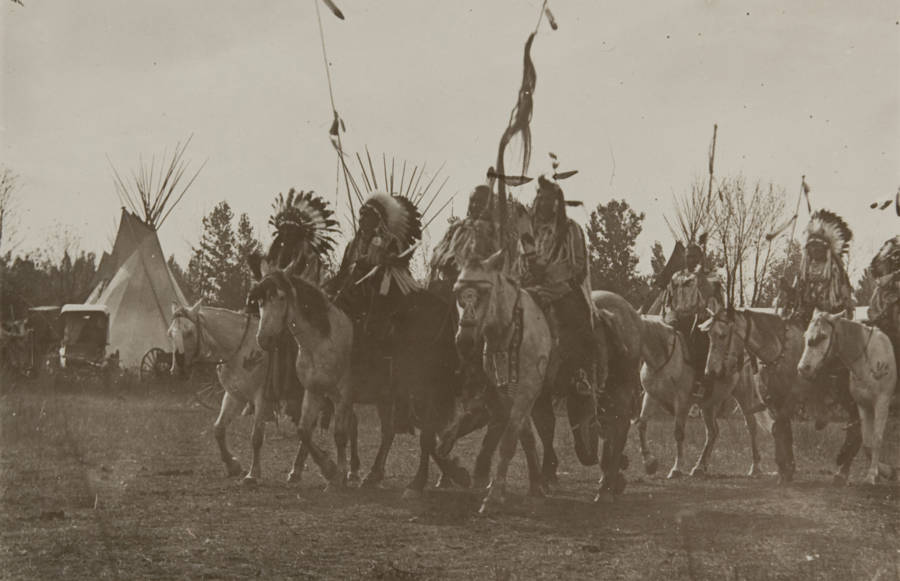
<point x="671" y="350"/>
<point x="782" y="342"/>
<point x="832" y="341"/>
<point x="198" y="342"/>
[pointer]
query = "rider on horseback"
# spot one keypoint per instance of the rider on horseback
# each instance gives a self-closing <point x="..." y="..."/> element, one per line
<point x="884" y="306"/>
<point x="558" y="276"/>
<point x="822" y="282"/>
<point x="374" y="278"/>
<point x="691" y="295"/>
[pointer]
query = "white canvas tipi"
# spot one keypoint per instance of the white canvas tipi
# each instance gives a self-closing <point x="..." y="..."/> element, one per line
<point x="136" y="286"/>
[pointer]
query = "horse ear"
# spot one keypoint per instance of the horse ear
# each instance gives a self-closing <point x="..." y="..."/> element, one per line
<point x="175" y="307"/>
<point x="495" y="261"/>
<point x="254" y="261"/>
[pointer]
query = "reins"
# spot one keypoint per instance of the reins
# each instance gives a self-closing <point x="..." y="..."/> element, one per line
<point x="668" y="357"/>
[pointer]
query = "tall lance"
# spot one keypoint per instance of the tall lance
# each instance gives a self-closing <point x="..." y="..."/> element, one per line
<point x="519" y="122"/>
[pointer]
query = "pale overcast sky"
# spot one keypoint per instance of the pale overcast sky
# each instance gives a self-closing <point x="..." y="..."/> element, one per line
<point x="627" y="93"/>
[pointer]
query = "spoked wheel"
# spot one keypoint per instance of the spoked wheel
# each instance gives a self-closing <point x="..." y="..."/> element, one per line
<point x="209" y="395"/>
<point x="155" y="365"/>
<point x="207" y="391"/>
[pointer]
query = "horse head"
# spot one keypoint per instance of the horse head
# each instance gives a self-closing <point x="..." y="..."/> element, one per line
<point x="725" y="344"/>
<point x="271" y="294"/>
<point x="184" y="335"/>
<point x="819" y="343"/>
<point x="476" y="292"/>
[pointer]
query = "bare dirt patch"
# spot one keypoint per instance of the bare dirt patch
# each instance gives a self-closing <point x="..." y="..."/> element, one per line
<point x="97" y="486"/>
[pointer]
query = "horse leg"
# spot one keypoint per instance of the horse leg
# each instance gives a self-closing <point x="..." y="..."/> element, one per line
<point x="535" y="481"/>
<point x="312" y="407"/>
<point x="545" y="423"/>
<point x="681" y="411"/>
<point x="882" y="410"/>
<point x="509" y="439"/>
<point x="262" y="409"/>
<point x="426" y="447"/>
<point x="386" y="417"/>
<point x="712" y="434"/>
<point x="651" y="464"/>
<point x="853" y="438"/>
<point x="481" y="477"/>
<point x="784" y="447"/>
<point x="342" y="423"/>
<point x="867" y="419"/>
<point x="231" y="407"/>
<point x="612" y="460"/>
<point x="354" y="448"/>
<point x="750" y="421"/>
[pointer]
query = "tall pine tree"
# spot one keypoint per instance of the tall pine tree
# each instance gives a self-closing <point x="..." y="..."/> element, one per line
<point x="212" y="262"/>
<point x="612" y="234"/>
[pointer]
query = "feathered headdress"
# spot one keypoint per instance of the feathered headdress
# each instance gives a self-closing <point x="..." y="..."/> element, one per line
<point x="309" y="214"/>
<point x="400" y="216"/>
<point x="829" y="228"/>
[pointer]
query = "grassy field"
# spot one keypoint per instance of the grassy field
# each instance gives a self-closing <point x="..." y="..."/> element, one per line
<point x="129" y="486"/>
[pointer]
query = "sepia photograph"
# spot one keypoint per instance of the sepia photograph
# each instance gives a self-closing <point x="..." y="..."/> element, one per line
<point x="426" y="289"/>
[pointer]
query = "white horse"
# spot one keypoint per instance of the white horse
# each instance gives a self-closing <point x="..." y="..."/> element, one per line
<point x="668" y="380"/>
<point x="201" y="333"/>
<point x="868" y="354"/>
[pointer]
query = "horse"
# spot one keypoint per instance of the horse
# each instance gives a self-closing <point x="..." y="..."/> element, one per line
<point x="869" y="355"/>
<point x="324" y="336"/>
<point x="216" y="334"/>
<point x="496" y="311"/>
<point x="668" y="379"/>
<point x="616" y="332"/>
<point x="777" y="346"/>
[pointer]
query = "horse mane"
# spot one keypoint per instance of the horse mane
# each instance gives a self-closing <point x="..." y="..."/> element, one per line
<point x="308" y="298"/>
<point x="768" y="325"/>
<point x="655" y="336"/>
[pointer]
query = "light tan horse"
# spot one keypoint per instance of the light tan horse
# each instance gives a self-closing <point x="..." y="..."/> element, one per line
<point x="668" y="380"/>
<point x="517" y="343"/>
<point x="324" y="335"/>
<point x="777" y="346"/>
<point x="868" y="354"/>
<point x="201" y="333"/>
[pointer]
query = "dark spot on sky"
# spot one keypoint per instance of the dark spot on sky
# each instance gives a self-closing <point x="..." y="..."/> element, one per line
<point x="748" y="14"/>
<point x="667" y="36"/>
<point x="810" y="116"/>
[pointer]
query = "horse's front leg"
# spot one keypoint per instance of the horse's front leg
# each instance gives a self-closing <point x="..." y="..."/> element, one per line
<point x="375" y="476"/>
<point x="651" y="464"/>
<point x="353" y="476"/>
<point x="231" y="407"/>
<point x="519" y="412"/>
<point x="545" y="423"/>
<point x="744" y="400"/>
<point x="535" y="479"/>
<point x="262" y="410"/>
<point x="853" y="439"/>
<point x="612" y="460"/>
<point x="784" y="446"/>
<point x="313" y="402"/>
<point x="712" y="434"/>
<point x="681" y="412"/>
<point x="342" y="429"/>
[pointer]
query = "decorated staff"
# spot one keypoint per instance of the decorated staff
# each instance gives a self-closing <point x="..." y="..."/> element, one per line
<point x="884" y="306"/>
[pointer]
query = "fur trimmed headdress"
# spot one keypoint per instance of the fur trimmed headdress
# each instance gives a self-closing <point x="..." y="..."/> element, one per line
<point x="399" y="215"/>
<point x="828" y="228"/>
<point x="308" y="214"/>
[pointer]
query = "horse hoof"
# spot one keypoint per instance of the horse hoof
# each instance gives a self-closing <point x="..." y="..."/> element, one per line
<point x="839" y="479"/>
<point x="651" y="466"/>
<point x="604" y="497"/>
<point x="480" y="482"/>
<point x="698" y="472"/>
<point x="372" y="481"/>
<point x="353" y="477"/>
<point x="536" y="491"/>
<point x="411" y="494"/>
<point x="444" y="482"/>
<point x="870" y="481"/>
<point x="233" y="468"/>
<point x="673" y="474"/>
<point x="249" y="482"/>
<point x="754" y="472"/>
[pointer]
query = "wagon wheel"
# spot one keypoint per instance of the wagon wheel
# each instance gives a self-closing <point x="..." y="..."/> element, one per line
<point x="154" y="365"/>
<point x="209" y="395"/>
<point x="207" y="391"/>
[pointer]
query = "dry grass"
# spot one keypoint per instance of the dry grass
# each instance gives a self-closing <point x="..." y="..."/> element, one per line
<point x="95" y="485"/>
